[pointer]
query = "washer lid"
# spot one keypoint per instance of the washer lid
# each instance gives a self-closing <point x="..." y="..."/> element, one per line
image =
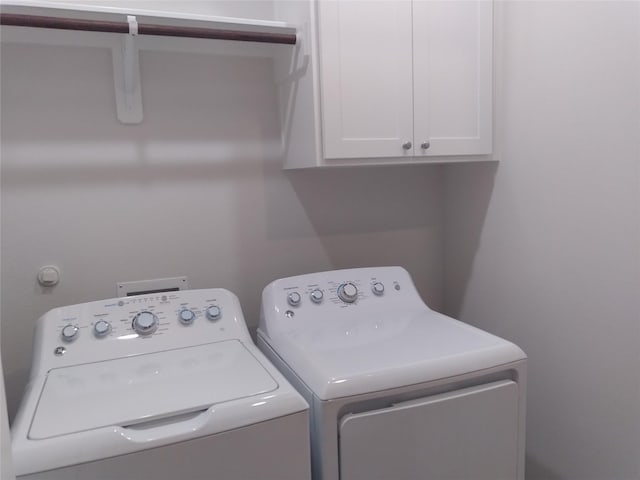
<point x="138" y="389"/>
<point x="344" y="354"/>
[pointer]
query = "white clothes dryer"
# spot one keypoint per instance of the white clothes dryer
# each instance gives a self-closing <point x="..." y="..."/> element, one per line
<point x="157" y="386"/>
<point x="397" y="390"/>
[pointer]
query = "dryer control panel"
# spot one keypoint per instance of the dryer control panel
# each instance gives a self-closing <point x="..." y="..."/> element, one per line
<point x="384" y="287"/>
<point x="126" y="326"/>
<point x="331" y="304"/>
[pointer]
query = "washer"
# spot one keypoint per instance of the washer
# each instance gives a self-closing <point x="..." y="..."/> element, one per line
<point x="397" y="391"/>
<point x="157" y="386"/>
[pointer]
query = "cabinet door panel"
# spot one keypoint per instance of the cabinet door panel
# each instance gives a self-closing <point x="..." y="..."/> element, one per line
<point x="366" y="78"/>
<point x="453" y="43"/>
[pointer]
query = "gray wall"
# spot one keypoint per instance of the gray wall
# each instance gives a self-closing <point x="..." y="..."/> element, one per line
<point x="196" y="189"/>
<point x="545" y="249"/>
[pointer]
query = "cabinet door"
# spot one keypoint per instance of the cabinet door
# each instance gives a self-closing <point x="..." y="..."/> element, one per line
<point x="453" y="44"/>
<point x="365" y="78"/>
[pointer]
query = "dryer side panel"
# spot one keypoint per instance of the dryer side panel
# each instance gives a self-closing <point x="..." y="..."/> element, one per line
<point x="468" y="433"/>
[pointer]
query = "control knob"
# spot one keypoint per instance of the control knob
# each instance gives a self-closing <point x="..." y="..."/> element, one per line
<point x="316" y="295"/>
<point x="348" y="292"/>
<point x="70" y="333"/>
<point x="186" y="316"/>
<point x="213" y="313"/>
<point x="145" y="323"/>
<point x="294" y="299"/>
<point x="377" y="288"/>
<point x="101" y="328"/>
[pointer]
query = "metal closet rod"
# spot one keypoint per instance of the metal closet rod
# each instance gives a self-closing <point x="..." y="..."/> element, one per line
<point x="59" y="23"/>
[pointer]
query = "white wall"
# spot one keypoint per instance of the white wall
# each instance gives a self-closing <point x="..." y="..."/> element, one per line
<point x="545" y="249"/>
<point x="195" y="190"/>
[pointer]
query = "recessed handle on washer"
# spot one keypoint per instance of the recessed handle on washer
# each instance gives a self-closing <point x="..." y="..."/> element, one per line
<point x="166" y="427"/>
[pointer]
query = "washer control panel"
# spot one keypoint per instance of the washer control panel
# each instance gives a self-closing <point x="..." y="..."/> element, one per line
<point x="136" y="325"/>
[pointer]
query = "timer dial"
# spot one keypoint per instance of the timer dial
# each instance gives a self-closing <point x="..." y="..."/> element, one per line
<point x="145" y="323"/>
<point x="348" y="292"/>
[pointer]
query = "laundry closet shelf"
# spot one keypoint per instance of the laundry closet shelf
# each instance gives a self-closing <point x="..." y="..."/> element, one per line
<point x="127" y="31"/>
<point x="62" y="16"/>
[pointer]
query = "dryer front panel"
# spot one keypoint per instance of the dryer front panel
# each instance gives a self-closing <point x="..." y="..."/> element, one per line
<point x="468" y="433"/>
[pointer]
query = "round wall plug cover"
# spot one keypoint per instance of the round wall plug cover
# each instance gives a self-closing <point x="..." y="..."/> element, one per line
<point x="48" y="276"/>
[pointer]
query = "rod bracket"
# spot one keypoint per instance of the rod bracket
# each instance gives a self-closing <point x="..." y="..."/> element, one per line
<point x="126" y="70"/>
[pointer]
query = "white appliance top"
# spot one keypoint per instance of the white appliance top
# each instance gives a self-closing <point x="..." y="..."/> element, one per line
<point x="126" y="374"/>
<point x="349" y="332"/>
<point x="122" y="327"/>
<point x="137" y="390"/>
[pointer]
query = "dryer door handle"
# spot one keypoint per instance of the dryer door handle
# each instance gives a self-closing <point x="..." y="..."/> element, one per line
<point x="166" y="427"/>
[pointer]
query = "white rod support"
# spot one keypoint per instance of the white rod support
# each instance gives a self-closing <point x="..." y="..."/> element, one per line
<point x="126" y="69"/>
<point x="133" y="25"/>
<point x="130" y="60"/>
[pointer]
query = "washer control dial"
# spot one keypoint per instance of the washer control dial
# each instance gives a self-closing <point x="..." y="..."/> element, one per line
<point x="69" y="333"/>
<point x="186" y="316"/>
<point x="348" y="292"/>
<point x="213" y="313"/>
<point x="377" y="288"/>
<point x="101" y="328"/>
<point x="294" y="299"/>
<point x="145" y="323"/>
<point x="316" y="295"/>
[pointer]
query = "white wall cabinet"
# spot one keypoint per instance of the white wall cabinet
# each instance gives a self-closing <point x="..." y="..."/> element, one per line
<point x="392" y="82"/>
<point x="365" y="78"/>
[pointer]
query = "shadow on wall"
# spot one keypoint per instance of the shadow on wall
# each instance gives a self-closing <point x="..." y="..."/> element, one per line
<point x="535" y="469"/>
<point x="468" y="190"/>
<point x="373" y="216"/>
<point x="365" y="200"/>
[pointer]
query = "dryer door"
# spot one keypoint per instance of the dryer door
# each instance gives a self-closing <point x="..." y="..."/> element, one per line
<point x="468" y="433"/>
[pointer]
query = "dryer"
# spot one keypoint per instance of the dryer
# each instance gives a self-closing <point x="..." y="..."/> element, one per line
<point x="157" y="386"/>
<point x="396" y="390"/>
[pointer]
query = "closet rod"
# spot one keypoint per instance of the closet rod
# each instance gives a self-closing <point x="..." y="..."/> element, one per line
<point x="145" y="29"/>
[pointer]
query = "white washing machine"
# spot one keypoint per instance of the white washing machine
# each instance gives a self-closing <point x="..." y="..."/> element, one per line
<point x="397" y="391"/>
<point x="158" y="386"/>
